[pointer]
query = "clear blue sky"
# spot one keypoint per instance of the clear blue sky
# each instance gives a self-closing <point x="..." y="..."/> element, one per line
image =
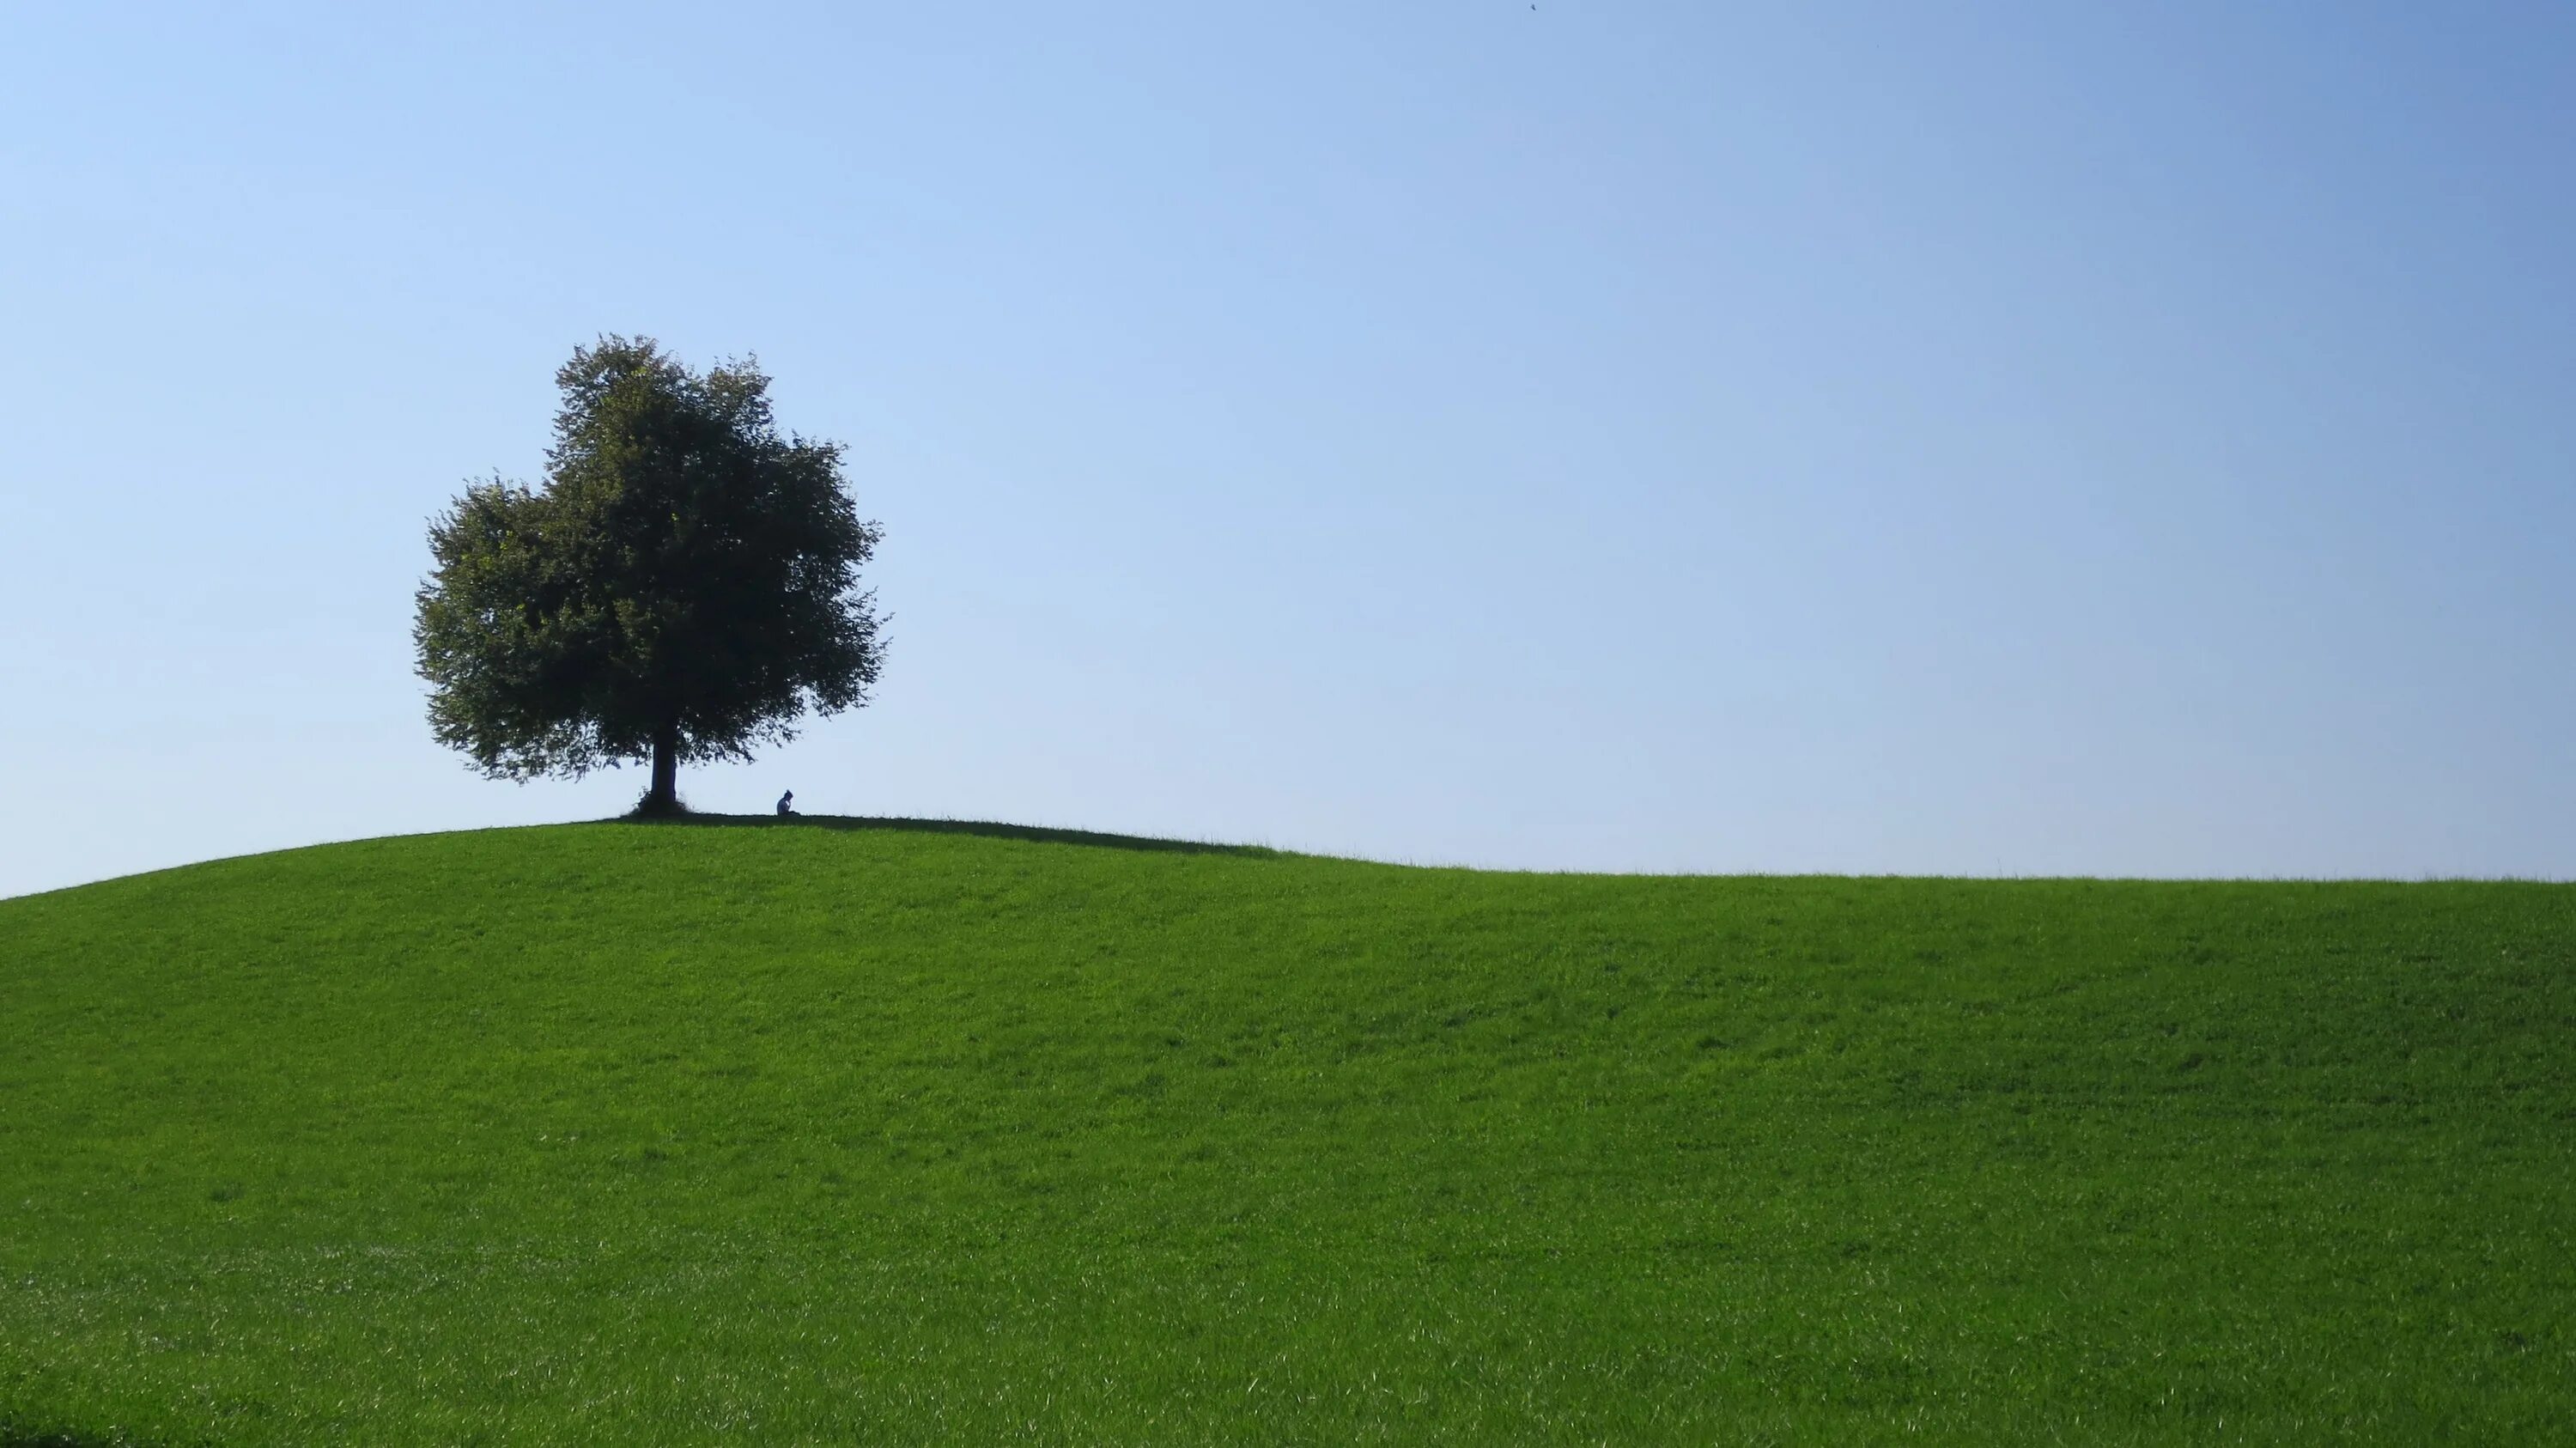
<point x="1863" y="437"/>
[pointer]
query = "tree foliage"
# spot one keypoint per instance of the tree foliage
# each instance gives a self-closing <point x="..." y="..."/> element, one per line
<point x="684" y="587"/>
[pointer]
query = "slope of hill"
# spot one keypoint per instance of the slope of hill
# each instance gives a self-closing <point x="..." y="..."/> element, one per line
<point x="836" y="1130"/>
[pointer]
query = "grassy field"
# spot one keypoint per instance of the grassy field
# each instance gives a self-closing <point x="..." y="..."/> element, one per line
<point x="830" y="1131"/>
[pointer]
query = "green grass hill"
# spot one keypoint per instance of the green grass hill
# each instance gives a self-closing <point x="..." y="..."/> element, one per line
<point x="835" y="1130"/>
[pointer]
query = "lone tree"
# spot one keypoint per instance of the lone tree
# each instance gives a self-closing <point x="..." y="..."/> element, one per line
<point x="683" y="588"/>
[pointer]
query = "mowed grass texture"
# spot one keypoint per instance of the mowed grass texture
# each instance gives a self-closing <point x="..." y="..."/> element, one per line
<point x="822" y="1131"/>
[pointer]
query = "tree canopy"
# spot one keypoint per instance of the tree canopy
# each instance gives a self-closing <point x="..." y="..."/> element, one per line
<point x="683" y="588"/>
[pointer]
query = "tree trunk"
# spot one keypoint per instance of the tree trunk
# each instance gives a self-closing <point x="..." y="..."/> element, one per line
<point x="664" y="797"/>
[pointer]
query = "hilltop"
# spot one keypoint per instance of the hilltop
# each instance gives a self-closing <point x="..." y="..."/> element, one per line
<point x="821" y="1130"/>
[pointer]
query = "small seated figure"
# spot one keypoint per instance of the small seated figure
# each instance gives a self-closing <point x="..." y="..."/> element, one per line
<point x="785" y="801"/>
